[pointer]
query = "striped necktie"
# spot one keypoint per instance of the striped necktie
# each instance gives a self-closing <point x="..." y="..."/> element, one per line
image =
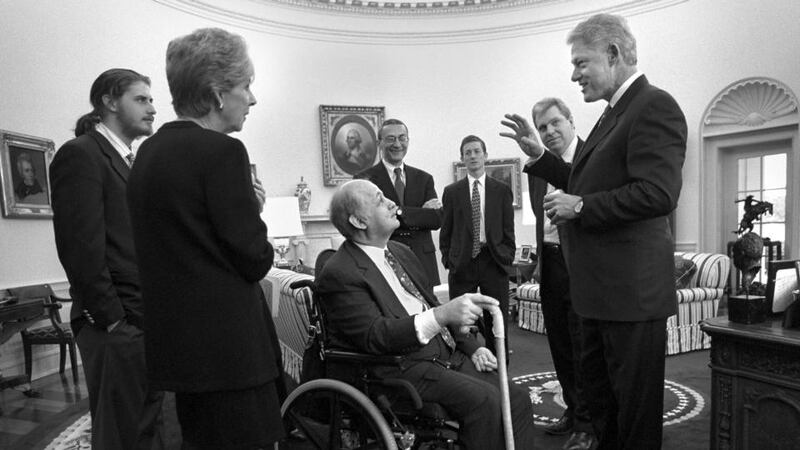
<point x="409" y="286"/>
<point x="476" y="219"/>
<point x="130" y="159"/>
<point x="399" y="186"/>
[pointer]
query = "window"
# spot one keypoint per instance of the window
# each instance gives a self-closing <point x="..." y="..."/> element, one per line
<point x="764" y="177"/>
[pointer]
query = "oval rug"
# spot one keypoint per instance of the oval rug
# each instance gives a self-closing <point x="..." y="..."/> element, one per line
<point x="680" y="402"/>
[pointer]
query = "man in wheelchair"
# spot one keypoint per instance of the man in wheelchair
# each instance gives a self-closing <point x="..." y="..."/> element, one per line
<point x="378" y="300"/>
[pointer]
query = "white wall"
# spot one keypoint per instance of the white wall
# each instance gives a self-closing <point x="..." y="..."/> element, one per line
<point x="51" y="51"/>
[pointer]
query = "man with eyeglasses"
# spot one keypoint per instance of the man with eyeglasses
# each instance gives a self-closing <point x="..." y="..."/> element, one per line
<point x="412" y="190"/>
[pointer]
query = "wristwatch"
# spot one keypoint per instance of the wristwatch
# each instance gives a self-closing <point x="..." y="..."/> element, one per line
<point x="578" y="207"/>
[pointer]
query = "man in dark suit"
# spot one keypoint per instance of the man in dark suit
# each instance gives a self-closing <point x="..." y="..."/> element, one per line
<point x="553" y="121"/>
<point x="378" y="300"/>
<point x="613" y="216"/>
<point x="477" y="237"/>
<point x="93" y="234"/>
<point x="412" y="190"/>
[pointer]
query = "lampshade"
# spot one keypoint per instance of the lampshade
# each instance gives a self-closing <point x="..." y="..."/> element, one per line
<point x="282" y="216"/>
<point x="528" y="218"/>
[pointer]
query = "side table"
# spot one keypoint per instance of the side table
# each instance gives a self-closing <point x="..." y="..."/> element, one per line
<point x="755" y="385"/>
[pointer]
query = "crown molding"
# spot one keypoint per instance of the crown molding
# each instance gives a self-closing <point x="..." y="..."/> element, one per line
<point x="407" y="23"/>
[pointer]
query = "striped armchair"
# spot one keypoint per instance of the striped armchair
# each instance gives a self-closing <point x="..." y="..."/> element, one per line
<point x="288" y="308"/>
<point x="696" y="302"/>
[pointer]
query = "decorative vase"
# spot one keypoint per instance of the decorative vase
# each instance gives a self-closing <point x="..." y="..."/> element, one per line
<point x="303" y="194"/>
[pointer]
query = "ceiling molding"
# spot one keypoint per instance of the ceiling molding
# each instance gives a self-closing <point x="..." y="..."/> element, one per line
<point x="405" y="23"/>
<point x="412" y="7"/>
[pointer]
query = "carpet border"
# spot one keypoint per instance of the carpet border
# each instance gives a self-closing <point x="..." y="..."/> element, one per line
<point x="53" y="427"/>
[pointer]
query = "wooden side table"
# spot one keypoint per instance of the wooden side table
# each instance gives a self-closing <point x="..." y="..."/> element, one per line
<point x="755" y="385"/>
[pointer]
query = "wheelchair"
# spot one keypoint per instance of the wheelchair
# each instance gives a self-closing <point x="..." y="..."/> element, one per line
<point x="348" y="408"/>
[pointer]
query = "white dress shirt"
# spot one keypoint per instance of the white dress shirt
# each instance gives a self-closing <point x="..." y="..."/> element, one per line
<point x="115" y="141"/>
<point x="425" y="322"/>
<point x="624" y="88"/>
<point x="390" y="169"/>
<point x="550" y="230"/>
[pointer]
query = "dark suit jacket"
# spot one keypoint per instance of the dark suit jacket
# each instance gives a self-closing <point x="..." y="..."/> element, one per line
<point x="537" y="189"/>
<point x="416" y="222"/>
<point x="620" y="250"/>
<point x="202" y="249"/>
<point x="93" y="233"/>
<point x="364" y="314"/>
<point x="455" y="239"/>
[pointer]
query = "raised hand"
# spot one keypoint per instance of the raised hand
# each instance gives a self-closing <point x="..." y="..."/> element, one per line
<point x="523" y="133"/>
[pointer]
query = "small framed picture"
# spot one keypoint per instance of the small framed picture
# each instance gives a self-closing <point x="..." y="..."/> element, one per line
<point x="349" y="140"/>
<point x="25" y="175"/>
<point x="523" y="253"/>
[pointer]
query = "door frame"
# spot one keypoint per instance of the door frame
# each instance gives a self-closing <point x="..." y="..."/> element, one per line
<point x="723" y="131"/>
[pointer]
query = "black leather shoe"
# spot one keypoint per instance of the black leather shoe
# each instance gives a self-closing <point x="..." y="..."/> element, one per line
<point x="580" y="441"/>
<point x="563" y="426"/>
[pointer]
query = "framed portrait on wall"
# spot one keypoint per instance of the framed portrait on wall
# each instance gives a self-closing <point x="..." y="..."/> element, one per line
<point x="349" y="140"/>
<point x="509" y="171"/>
<point x="25" y="175"/>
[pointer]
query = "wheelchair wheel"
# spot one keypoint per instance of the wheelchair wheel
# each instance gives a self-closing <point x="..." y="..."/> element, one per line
<point x="327" y="414"/>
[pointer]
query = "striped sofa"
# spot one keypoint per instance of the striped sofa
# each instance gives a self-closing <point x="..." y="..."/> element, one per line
<point x="696" y="302"/>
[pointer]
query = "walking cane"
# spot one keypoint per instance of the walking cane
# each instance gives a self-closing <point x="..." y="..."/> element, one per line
<point x="502" y="372"/>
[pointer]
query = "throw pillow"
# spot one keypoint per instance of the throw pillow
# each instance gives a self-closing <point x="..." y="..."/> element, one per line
<point x="684" y="269"/>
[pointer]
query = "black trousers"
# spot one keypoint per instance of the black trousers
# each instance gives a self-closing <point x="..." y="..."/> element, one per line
<point x="125" y="413"/>
<point x="473" y="398"/>
<point x="623" y="372"/>
<point x="563" y="334"/>
<point x="492" y="279"/>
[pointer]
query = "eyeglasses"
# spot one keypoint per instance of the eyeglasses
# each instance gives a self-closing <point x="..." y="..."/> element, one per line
<point x="392" y="139"/>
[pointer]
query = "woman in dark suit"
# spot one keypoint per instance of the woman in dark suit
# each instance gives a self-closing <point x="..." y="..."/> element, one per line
<point x="202" y="249"/>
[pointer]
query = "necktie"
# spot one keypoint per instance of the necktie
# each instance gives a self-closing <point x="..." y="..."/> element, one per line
<point x="399" y="186"/>
<point x="600" y="120"/>
<point x="476" y="219"/>
<point x="603" y="116"/>
<point x="409" y="286"/>
<point x="130" y="159"/>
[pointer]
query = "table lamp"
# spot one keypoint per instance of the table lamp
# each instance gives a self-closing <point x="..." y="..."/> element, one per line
<point x="282" y="216"/>
<point x="528" y="218"/>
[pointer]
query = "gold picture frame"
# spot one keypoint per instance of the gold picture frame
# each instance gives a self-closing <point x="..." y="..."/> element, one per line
<point x="25" y="175"/>
<point x="349" y="140"/>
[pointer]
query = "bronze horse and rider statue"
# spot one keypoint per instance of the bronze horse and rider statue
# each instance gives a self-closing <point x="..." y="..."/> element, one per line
<point x="753" y="210"/>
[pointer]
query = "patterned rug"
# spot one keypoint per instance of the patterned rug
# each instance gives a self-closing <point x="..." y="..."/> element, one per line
<point x="76" y="436"/>
<point x="681" y="403"/>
